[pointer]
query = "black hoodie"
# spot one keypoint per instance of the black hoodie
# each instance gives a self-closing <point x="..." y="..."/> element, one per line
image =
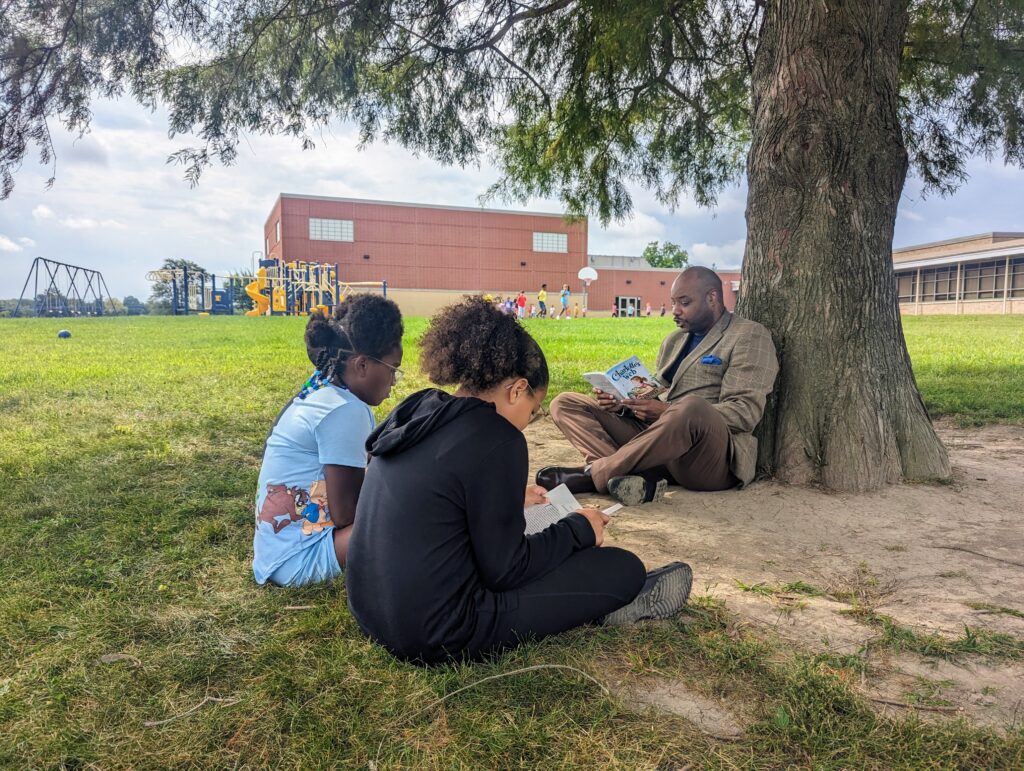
<point x="438" y="544"/>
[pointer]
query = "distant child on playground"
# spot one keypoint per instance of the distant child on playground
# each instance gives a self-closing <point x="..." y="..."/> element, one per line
<point x="576" y="310"/>
<point x="564" y="297"/>
<point x="315" y="456"/>
<point x="521" y="304"/>
<point x="542" y="299"/>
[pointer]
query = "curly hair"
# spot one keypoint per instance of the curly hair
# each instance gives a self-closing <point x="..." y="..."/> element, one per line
<point x="475" y="345"/>
<point x="365" y="323"/>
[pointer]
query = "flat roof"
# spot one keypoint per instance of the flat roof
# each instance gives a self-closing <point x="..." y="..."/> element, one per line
<point x="480" y="209"/>
<point x="994" y="252"/>
<point x="992" y="236"/>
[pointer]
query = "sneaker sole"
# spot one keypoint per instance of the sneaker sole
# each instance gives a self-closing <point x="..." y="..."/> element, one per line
<point x="670" y="593"/>
<point x="630" y="490"/>
<point x="666" y="598"/>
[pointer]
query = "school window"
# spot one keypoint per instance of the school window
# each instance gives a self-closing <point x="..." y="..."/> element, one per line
<point x="277" y="232"/>
<point x="938" y="284"/>
<point x="984" y="280"/>
<point x="550" y="242"/>
<point x="1016" y="277"/>
<point x="906" y="286"/>
<point x="331" y="230"/>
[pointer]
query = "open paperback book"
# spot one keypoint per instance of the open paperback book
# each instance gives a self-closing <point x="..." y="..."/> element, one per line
<point x="628" y="379"/>
<point x="561" y="503"/>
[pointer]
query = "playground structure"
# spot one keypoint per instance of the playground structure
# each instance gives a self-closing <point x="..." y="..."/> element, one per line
<point x="299" y="288"/>
<point x="70" y="290"/>
<point x="195" y="291"/>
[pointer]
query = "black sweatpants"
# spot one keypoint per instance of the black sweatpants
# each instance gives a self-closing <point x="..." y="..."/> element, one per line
<point x="587" y="586"/>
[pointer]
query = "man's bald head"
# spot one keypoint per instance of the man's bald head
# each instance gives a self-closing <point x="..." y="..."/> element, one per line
<point x="697" y="299"/>
<point x="706" y="280"/>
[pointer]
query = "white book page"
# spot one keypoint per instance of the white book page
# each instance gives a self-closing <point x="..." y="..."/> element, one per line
<point x="561" y="503"/>
<point x="601" y="381"/>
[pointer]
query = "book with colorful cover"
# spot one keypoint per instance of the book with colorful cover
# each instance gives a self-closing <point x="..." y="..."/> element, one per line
<point x="628" y="379"/>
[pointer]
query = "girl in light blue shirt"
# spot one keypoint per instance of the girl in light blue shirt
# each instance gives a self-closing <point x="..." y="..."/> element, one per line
<point x="315" y="457"/>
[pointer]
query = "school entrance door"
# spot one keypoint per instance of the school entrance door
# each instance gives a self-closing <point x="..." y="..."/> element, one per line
<point x="622" y="304"/>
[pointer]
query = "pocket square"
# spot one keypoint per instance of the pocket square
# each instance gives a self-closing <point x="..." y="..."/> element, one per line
<point x="710" y="359"/>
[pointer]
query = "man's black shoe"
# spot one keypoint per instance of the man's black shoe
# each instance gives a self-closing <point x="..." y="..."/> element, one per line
<point x="576" y="479"/>
<point x="646" y="486"/>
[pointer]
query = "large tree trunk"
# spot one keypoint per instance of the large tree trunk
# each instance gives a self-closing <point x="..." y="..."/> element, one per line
<point x="826" y="167"/>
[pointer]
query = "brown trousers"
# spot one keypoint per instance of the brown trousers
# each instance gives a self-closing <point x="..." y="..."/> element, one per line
<point x="690" y="440"/>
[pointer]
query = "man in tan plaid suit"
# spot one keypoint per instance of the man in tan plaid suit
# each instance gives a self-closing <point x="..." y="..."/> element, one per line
<point x="718" y="369"/>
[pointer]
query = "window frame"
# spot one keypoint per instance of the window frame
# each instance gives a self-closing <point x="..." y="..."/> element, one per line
<point x="549" y="241"/>
<point x="330" y="229"/>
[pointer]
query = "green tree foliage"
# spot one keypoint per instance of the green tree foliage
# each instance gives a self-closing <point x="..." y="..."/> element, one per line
<point x="133" y="306"/>
<point x="238" y="281"/>
<point x="574" y="98"/>
<point x="668" y="255"/>
<point x="160" y="296"/>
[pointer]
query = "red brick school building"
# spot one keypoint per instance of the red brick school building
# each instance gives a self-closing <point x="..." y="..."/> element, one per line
<point x="431" y="255"/>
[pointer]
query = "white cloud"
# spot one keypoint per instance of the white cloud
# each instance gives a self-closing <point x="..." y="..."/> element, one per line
<point x="28" y="243"/>
<point x="627" y="238"/>
<point x="7" y="245"/>
<point x="42" y="212"/>
<point x="913" y="216"/>
<point x="88" y="223"/>
<point x="727" y="255"/>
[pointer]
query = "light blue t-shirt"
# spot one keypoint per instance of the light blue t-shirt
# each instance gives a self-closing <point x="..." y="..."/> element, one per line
<point x="329" y="426"/>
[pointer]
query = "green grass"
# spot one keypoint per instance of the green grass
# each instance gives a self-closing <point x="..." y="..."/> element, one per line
<point x="970" y="368"/>
<point x="128" y="461"/>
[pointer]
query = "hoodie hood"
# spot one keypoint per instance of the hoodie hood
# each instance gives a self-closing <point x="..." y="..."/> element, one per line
<point x="416" y="418"/>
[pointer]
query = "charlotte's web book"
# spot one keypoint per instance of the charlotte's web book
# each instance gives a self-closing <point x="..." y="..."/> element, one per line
<point x="628" y="379"/>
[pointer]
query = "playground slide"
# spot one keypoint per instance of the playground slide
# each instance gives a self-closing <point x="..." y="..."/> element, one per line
<point x="255" y="291"/>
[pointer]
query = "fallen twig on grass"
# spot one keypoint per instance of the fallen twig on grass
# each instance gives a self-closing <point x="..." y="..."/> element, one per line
<point x="980" y="554"/>
<point x="604" y="689"/>
<point x="500" y="675"/>
<point x="206" y="700"/>
<point x="299" y="607"/>
<point x="905" y="705"/>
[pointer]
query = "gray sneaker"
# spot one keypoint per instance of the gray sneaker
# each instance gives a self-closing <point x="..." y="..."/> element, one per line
<point x="664" y="594"/>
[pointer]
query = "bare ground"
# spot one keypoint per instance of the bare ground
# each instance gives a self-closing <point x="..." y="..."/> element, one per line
<point x="935" y="558"/>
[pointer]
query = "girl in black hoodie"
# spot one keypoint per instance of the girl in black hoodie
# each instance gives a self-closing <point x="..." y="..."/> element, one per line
<point x="438" y="564"/>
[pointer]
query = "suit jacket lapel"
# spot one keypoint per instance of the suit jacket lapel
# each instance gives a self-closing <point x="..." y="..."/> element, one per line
<point x="671" y="354"/>
<point x="710" y="339"/>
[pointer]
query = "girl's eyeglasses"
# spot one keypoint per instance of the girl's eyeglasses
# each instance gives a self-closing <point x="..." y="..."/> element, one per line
<point x="396" y="373"/>
<point x="536" y="410"/>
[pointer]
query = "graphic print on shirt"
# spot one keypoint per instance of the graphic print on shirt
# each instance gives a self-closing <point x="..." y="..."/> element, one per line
<point x="285" y="505"/>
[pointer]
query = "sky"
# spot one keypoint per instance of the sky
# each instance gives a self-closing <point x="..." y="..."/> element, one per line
<point x="117" y="206"/>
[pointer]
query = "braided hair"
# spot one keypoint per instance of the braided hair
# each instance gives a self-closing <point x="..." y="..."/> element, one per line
<point x="475" y="345"/>
<point x="365" y="323"/>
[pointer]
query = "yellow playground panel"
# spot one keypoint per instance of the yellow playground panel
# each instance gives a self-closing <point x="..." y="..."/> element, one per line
<point x="298" y="288"/>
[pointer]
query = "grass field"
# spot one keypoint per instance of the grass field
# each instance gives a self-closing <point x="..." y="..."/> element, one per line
<point x="128" y="461"/>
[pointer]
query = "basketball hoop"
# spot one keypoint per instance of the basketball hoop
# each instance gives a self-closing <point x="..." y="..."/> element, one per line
<point x="586" y="274"/>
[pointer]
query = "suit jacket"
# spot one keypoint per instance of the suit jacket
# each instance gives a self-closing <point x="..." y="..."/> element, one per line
<point x="737" y="387"/>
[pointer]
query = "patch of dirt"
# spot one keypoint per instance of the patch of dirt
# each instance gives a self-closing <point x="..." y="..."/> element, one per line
<point x="988" y="694"/>
<point x="705" y="713"/>
<point x="936" y="558"/>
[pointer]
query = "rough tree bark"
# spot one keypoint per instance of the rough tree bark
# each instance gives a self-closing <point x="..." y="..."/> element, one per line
<point x="826" y="168"/>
